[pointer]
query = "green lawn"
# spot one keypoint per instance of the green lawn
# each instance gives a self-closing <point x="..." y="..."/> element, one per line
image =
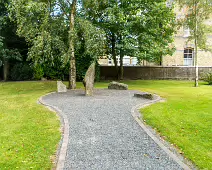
<point x="29" y="133"/>
<point x="185" y="118"/>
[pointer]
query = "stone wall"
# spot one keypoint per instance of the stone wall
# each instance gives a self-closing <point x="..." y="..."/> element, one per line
<point x="156" y="72"/>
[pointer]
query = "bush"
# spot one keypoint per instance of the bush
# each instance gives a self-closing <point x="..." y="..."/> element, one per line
<point x="208" y="78"/>
<point x="97" y="72"/>
<point x="56" y="72"/>
<point x="38" y="72"/>
<point x="21" y="71"/>
<point x="82" y="64"/>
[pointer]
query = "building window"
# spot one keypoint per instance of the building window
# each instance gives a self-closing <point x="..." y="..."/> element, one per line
<point x="126" y="60"/>
<point x="188" y="56"/>
<point x="134" y="60"/>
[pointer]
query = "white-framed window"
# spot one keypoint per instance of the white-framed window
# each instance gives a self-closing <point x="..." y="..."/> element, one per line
<point x="188" y="56"/>
<point x="126" y="60"/>
<point x="134" y="61"/>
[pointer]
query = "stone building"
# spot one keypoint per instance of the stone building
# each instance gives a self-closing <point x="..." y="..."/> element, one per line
<point x="184" y="54"/>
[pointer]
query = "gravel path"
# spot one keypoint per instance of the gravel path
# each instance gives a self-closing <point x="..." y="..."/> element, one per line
<point x="104" y="135"/>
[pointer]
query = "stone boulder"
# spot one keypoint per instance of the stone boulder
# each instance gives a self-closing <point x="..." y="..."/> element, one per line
<point x="144" y="95"/>
<point x="61" y="87"/>
<point x="43" y="79"/>
<point x="117" y="86"/>
<point x="88" y="81"/>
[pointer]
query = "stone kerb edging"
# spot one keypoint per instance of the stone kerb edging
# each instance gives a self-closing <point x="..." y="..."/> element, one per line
<point x="62" y="149"/>
<point x="136" y="114"/>
<point x="61" y="153"/>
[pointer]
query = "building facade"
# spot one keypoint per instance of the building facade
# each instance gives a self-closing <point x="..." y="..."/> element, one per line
<point x="127" y="61"/>
<point x="184" y="54"/>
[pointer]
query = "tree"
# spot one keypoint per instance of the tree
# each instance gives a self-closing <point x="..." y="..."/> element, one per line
<point x="111" y="16"/>
<point x="197" y="12"/>
<point x="11" y="46"/>
<point x="38" y="22"/>
<point x="132" y="28"/>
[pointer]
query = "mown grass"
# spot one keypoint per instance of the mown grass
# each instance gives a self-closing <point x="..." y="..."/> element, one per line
<point x="185" y="119"/>
<point x="29" y="133"/>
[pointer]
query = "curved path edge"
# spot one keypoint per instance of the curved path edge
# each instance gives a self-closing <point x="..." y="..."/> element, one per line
<point x="60" y="160"/>
<point x="62" y="149"/>
<point x="136" y="115"/>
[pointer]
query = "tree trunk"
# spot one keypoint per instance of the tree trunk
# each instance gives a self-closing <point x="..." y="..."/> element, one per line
<point x="72" y="71"/>
<point x="121" y="70"/>
<point x="5" y="68"/>
<point x="195" y="44"/>
<point x="114" y="53"/>
<point x="161" y="60"/>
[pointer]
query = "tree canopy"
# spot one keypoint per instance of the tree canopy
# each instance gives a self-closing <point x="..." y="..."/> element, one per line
<point x="60" y="30"/>
<point x="133" y="28"/>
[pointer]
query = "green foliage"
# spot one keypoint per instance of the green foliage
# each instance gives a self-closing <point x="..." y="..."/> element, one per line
<point x="154" y="32"/>
<point x="21" y="71"/>
<point x="208" y="78"/>
<point x="135" y="29"/>
<point x="38" y="22"/>
<point x="88" y="46"/>
<point x="90" y="39"/>
<point x="12" y="48"/>
<point x="38" y="72"/>
<point x="56" y="71"/>
<point x="97" y="72"/>
<point x="198" y="11"/>
<point x="40" y="29"/>
<point x="6" y="54"/>
<point x="82" y="64"/>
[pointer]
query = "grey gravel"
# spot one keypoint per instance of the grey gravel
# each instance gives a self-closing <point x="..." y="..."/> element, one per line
<point x="104" y="135"/>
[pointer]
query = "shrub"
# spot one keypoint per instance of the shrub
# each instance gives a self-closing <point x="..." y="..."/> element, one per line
<point x="208" y="78"/>
<point x="97" y="72"/>
<point x="21" y="71"/>
<point x="38" y="72"/>
<point x="56" y="72"/>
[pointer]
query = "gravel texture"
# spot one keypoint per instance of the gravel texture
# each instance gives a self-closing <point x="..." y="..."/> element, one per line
<point x="104" y="135"/>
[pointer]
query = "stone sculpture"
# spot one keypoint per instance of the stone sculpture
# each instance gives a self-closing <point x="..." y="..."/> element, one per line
<point x="61" y="87"/>
<point x="88" y="81"/>
<point x="117" y="86"/>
